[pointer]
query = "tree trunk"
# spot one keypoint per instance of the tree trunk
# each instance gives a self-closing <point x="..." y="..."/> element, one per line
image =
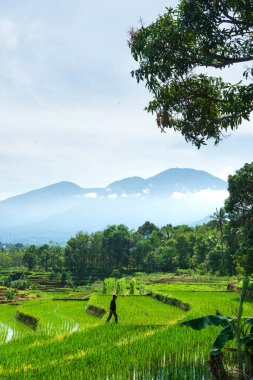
<point x="217" y="368"/>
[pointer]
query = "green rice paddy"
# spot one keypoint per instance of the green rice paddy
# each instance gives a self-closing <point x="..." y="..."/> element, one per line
<point x="148" y="342"/>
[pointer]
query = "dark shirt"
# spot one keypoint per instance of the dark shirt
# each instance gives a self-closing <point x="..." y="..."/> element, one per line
<point x="113" y="305"/>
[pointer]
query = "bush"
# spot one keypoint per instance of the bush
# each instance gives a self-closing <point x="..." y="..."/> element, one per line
<point x="64" y="278"/>
<point x="142" y="290"/>
<point x="109" y="285"/>
<point x="20" y="284"/>
<point x="133" y="286"/>
<point x="121" y="286"/>
<point x="189" y="272"/>
<point x="139" y="274"/>
<point x="6" y="281"/>
<point x="10" y="294"/>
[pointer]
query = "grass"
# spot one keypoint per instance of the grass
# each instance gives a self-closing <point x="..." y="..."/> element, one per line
<point x="56" y="317"/>
<point x="148" y="342"/>
<point x="99" y="352"/>
<point x="204" y="299"/>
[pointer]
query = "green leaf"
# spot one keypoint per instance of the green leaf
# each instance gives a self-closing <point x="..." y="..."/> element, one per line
<point x="209" y="320"/>
<point x="245" y="340"/>
<point x="225" y="335"/>
<point x="249" y="321"/>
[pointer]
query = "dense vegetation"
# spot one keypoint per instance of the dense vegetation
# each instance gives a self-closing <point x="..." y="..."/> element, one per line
<point x="117" y="250"/>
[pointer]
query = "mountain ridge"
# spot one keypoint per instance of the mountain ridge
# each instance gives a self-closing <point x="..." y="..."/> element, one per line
<point x="64" y="208"/>
<point x="66" y="186"/>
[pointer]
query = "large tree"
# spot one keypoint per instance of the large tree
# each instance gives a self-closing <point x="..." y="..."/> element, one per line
<point x="239" y="204"/>
<point x="239" y="207"/>
<point x="197" y="34"/>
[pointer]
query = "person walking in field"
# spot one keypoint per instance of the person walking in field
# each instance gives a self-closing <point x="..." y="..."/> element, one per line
<point x="113" y="309"/>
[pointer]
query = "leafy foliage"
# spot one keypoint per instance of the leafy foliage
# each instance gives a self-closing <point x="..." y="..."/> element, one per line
<point x="239" y="207"/>
<point x="196" y="34"/>
<point x="10" y="294"/>
<point x="232" y="328"/>
<point x="133" y="286"/>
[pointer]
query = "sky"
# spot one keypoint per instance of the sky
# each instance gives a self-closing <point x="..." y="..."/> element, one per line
<point x="69" y="108"/>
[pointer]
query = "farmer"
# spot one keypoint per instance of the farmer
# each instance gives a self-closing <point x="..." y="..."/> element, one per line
<point x="113" y="309"/>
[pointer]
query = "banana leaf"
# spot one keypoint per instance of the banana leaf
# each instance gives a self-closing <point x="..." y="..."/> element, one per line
<point x="245" y="340"/>
<point x="209" y="320"/>
<point x="249" y="321"/>
<point x="225" y="335"/>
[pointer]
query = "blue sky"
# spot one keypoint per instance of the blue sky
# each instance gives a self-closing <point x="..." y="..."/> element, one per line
<point x="69" y="109"/>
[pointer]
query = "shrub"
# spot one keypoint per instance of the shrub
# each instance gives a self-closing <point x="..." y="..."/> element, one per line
<point x="109" y="285"/>
<point x="9" y="294"/>
<point x="121" y="286"/>
<point x="64" y="278"/>
<point x="189" y="272"/>
<point x="133" y="287"/>
<point x="20" y="284"/>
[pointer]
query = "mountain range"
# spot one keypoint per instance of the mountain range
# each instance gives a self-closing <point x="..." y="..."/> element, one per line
<point x="59" y="211"/>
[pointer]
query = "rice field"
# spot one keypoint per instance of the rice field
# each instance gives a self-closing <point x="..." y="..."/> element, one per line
<point x="148" y="342"/>
<point x="204" y="299"/>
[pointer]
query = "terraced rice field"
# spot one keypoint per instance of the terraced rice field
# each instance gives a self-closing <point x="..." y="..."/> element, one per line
<point x="148" y="342"/>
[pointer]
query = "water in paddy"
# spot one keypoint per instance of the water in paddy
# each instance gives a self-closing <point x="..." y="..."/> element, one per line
<point x="6" y="332"/>
<point x="10" y="328"/>
<point x="66" y="326"/>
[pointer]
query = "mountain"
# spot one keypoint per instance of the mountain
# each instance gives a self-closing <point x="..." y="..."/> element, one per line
<point x="58" y="211"/>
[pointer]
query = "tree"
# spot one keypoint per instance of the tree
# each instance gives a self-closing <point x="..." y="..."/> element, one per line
<point x="77" y="255"/>
<point x="44" y="257"/>
<point x="219" y="219"/>
<point x="56" y="257"/>
<point x="146" y="229"/>
<point x="197" y="34"/>
<point x="116" y="246"/>
<point x="239" y="204"/>
<point x="239" y="207"/>
<point x="140" y="250"/>
<point x="30" y="257"/>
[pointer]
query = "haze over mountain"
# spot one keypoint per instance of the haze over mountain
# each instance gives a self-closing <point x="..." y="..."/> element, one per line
<point x="59" y="211"/>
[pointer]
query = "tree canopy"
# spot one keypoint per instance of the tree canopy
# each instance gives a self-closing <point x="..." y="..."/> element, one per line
<point x="239" y="204"/>
<point x="239" y="207"/>
<point x="171" y="52"/>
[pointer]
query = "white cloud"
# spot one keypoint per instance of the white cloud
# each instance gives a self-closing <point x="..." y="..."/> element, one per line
<point x="91" y="195"/>
<point x="224" y="172"/>
<point x="145" y="191"/>
<point x="112" y="196"/>
<point x="208" y="195"/>
<point x="178" y="195"/>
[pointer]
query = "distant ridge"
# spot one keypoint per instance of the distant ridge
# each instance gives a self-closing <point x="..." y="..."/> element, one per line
<point x="63" y="188"/>
<point x="57" y="211"/>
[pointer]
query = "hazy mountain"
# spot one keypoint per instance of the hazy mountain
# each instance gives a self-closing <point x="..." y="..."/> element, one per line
<point x="58" y="211"/>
